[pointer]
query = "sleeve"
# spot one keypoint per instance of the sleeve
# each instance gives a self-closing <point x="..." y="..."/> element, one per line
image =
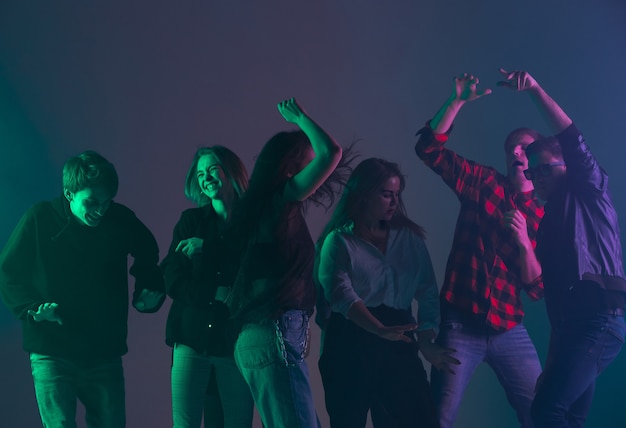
<point x="17" y="261"/>
<point x="145" y="267"/>
<point x="461" y="175"/>
<point x="427" y="293"/>
<point x="334" y="274"/>
<point x="535" y="288"/>
<point x="583" y="168"/>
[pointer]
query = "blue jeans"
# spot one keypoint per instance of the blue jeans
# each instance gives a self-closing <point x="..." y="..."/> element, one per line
<point x="99" y="386"/>
<point x="579" y="351"/>
<point x="510" y="354"/>
<point x="226" y="402"/>
<point x="270" y="355"/>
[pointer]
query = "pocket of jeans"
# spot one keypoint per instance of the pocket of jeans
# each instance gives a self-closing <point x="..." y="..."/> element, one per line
<point x="292" y="321"/>
<point x="617" y="329"/>
<point x="256" y="348"/>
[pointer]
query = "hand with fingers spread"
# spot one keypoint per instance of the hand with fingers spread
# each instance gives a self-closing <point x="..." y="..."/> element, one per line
<point x="291" y="111"/>
<point x="465" y="88"/>
<point x="517" y="80"/>
<point x="46" y="312"/>
<point x="190" y="246"/>
<point x="441" y="358"/>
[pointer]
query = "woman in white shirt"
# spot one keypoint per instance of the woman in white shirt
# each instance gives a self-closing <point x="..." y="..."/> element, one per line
<point x="372" y="265"/>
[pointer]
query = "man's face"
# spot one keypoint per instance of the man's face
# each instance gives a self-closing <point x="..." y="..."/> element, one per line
<point x="89" y="205"/>
<point x="515" y="151"/>
<point x="547" y="173"/>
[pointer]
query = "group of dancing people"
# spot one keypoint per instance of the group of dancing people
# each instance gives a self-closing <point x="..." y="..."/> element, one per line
<point x="245" y="277"/>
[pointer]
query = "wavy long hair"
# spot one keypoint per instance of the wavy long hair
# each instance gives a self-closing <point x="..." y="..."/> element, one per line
<point x="283" y="156"/>
<point x="366" y="179"/>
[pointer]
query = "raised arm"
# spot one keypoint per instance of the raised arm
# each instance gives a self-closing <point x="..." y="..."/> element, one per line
<point x="464" y="90"/>
<point x="553" y="114"/>
<point x="327" y="154"/>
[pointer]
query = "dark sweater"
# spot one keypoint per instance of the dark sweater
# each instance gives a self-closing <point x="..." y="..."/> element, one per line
<point x="50" y="257"/>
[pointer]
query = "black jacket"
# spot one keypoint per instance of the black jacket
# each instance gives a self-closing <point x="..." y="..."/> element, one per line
<point x="578" y="241"/>
<point x="192" y="284"/>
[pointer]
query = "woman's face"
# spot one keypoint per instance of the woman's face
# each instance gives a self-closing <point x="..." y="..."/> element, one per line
<point x="212" y="179"/>
<point x="382" y="203"/>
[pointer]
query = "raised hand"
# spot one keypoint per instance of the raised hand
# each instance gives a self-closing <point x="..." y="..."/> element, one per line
<point x="517" y="80"/>
<point x="291" y="111"/>
<point x="465" y="88"/>
<point x="190" y="246"/>
<point x="46" y="312"/>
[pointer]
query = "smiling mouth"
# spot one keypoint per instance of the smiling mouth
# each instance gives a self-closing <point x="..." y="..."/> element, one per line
<point x="517" y="163"/>
<point x="94" y="219"/>
<point x="213" y="185"/>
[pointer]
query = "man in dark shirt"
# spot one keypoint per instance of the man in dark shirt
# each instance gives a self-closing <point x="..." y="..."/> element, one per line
<point x="578" y="245"/>
<point x="491" y="261"/>
<point x="64" y="274"/>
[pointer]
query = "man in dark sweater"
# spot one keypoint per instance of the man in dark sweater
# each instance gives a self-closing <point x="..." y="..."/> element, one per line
<point x="64" y="274"/>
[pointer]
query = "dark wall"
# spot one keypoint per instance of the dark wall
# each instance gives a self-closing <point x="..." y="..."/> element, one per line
<point x="146" y="82"/>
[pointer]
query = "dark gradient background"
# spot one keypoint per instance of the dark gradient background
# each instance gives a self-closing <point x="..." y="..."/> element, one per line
<point x="147" y="82"/>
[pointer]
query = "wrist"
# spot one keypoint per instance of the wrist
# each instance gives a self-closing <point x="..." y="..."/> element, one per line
<point x="525" y="247"/>
<point x="455" y="102"/>
<point x="426" y="336"/>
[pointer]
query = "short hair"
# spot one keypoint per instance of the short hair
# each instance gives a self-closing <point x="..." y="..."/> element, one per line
<point x="232" y="166"/>
<point x="516" y="133"/>
<point x="90" y="169"/>
<point x="546" y="144"/>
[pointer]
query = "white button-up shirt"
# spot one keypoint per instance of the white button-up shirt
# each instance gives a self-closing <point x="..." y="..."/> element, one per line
<point x="352" y="269"/>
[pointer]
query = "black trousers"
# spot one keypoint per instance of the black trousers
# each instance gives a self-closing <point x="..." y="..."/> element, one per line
<point x="362" y="372"/>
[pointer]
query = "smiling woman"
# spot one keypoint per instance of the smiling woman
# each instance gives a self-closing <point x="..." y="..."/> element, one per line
<point x="199" y="270"/>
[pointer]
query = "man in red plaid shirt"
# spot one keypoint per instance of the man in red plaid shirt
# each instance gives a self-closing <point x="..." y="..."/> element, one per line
<point x="491" y="261"/>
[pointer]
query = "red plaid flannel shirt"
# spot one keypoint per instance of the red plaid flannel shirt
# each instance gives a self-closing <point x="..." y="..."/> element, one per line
<point x="483" y="272"/>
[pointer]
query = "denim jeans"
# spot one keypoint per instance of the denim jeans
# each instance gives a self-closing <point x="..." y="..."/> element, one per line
<point x="270" y="355"/>
<point x="99" y="386"/>
<point x="210" y="384"/>
<point x="511" y="355"/>
<point x="579" y="351"/>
